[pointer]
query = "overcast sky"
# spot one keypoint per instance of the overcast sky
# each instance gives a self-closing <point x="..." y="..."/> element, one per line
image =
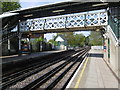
<point x="32" y="3"/>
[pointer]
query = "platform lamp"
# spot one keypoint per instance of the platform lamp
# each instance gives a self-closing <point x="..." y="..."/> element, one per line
<point x="97" y="30"/>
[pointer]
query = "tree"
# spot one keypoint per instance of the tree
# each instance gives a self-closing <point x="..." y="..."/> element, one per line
<point x="70" y="38"/>
<point x="79" y="40"/>
<point x="87" y="40"/>
<point x="9" y="6"/>
<point x="95" y="38"/>
<point x="37" y="40"/>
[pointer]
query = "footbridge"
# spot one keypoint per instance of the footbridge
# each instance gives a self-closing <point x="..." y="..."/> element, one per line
<point x="66" y="17"/>
<point x="63" y="23"/>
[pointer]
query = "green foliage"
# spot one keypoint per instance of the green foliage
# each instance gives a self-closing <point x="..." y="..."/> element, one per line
<point x="95" y="38"/>
<point x="53" y="42"/>
<point x="39" y="39"/>
<point x="9" y="6"/>
<point x="70" y="38"/>
<point x="87" y="41"/>
<point x="79" y="40"/>
<point x="36" y="40"/>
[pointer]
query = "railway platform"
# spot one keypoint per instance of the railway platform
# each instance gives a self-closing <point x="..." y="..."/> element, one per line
<point x="11" y="58"/>
<point x="94" y="73"/>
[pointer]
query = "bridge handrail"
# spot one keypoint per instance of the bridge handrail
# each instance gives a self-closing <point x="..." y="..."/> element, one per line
<point x="7" y="30"/>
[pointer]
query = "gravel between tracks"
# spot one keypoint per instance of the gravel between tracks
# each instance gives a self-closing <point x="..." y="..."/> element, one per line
<point x="26" y="81"/>
<point x="54" y="77"/>
<point x="66" y="77"/>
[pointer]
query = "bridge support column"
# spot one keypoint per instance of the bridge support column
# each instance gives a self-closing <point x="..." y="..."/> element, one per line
<point x="41" y="47"/>
<point x="9" y="46"/>
<point x="19" y="37"/>
<point x="19" y="53"/>
<point x="30" y="46"/>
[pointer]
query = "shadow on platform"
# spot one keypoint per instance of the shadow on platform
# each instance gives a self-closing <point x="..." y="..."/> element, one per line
<point x="95" y="55"/>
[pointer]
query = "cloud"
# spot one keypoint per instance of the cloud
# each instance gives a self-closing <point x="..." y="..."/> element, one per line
<point x="32" y="3"/>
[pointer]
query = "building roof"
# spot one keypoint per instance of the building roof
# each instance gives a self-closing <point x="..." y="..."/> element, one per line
<point x="60" y="38"/>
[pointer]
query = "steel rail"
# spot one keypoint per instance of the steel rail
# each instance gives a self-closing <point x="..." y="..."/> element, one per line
<point x="52" y="85"/>
<point x="33" y="85"/>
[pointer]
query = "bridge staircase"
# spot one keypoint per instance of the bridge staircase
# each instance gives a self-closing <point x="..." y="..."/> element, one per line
<point x="8" y="33"/>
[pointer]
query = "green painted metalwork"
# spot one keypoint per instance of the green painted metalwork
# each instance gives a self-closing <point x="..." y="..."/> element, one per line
<point x="115" y="25"/>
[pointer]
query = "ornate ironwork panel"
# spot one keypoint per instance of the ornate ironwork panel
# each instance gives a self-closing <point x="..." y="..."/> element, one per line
<point x="55" y="23"/>
<point x="75" y="21"/>
<point x="96" y="19"/>
<point x="33" y="24"/>
<point x="37" y="24"/>
<point x="103" y="18"/>
<point x="92" y="19"/>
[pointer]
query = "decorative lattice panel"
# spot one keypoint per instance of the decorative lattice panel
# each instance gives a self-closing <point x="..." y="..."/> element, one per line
<point x="103" y="18"/>
<point x="37" y="24"/>
<point x="33" y="24"/>
<point x="75" y="21"/>
<point x="55" y="23"/>
<point x="92" y="19"/>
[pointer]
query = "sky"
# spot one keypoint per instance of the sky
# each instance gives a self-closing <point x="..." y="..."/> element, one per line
<point x="33" y="3"/>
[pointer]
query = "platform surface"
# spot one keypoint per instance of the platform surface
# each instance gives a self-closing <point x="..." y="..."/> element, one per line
<point x="94" y="73"/>
<point x="6" y="59"/>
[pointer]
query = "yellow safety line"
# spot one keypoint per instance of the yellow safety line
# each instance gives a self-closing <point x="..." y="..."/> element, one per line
<point x="81" y="74"/>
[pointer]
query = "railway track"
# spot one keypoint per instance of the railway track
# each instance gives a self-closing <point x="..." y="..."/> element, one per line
<point x="32" y="67"/>
<point x="20" y="75"/>
<point x="33" y="62"/>
<point x="48" y="75"/>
